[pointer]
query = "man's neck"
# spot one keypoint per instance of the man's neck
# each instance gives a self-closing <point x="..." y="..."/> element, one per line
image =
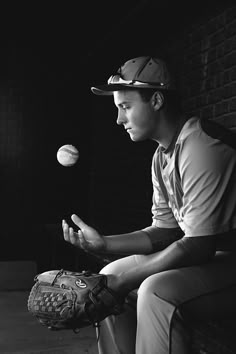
<point x="171" y="127"/>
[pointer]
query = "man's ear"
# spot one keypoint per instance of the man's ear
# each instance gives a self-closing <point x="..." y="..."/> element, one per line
<point x="157" y="100"/>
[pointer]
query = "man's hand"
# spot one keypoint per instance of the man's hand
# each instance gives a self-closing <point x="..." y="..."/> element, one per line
<point x="86" y="238"/>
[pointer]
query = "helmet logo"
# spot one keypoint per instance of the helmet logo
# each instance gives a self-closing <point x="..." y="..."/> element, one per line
<point x="80" y="284"/>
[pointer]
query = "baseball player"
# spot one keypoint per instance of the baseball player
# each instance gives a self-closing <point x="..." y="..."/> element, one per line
<point x="183" y="265"/>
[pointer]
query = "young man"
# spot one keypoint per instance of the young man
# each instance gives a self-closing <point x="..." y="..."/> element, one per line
<point x="183" y="264"/>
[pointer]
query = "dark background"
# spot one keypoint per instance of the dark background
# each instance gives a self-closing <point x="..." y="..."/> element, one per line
<point x="50" y="57"/>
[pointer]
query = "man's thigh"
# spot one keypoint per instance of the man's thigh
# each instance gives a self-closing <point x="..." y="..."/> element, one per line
<point x="125" y="263"/>
<point x="204" y="288"/>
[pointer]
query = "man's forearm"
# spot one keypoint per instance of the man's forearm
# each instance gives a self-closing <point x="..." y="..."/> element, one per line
<point x="148" y="240"/>
<point x="136" y="242"/>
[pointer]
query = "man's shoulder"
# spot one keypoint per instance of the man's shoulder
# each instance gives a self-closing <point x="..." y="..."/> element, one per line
<point x="191" y="127"/>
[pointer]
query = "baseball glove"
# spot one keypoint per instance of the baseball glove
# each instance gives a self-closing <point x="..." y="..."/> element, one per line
<point x="62" y="299"/>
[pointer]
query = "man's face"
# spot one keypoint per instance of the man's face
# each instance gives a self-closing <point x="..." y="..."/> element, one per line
<point x="138" y="117"/>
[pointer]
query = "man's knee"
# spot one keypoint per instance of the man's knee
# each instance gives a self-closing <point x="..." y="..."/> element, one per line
<point x="116" y="266"/>
<point x="120" y="265"/>
<point x="108" y="269"/>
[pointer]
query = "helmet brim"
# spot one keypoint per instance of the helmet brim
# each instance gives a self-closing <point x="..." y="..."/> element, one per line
<point x="107" y="90"/>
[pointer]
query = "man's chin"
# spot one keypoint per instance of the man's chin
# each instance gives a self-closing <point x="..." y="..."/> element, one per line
<point x="136" y="138"/>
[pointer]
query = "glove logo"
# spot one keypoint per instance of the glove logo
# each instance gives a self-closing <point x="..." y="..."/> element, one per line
<point x="80" y="284"/>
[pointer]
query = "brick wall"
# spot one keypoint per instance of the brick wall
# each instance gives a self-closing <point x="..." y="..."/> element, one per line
<point x="204" y="58"/>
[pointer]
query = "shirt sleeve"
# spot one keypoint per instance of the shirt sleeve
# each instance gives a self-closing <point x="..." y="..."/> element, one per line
<point x="208" y="173"/>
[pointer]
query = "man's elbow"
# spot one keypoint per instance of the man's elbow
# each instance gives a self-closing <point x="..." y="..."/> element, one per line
<point x="199" y="249"/>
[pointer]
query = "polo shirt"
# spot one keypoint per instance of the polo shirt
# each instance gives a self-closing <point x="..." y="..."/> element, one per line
<point x="199" y="174"/>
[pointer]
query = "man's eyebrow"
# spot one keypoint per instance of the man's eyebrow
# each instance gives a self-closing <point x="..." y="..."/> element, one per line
<point x="122" y="103"/>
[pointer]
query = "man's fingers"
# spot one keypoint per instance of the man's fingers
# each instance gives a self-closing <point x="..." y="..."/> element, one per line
<point x="75" y="238"/>
<point x="79" y="222"/>
<point x="82" y="241"/>
<point x="65" y="228"/>
<point x="72" y="236"/>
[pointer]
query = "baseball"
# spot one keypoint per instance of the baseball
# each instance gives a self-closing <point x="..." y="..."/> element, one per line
<point x="67" y="155"/>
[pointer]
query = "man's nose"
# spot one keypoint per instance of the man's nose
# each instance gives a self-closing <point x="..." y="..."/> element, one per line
<point x="121" y="119"/>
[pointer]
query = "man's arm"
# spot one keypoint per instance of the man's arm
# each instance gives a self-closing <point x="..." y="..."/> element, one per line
<point x="188" y="251"/>
<point x="136" y="242"/>
<point x="145" y="241"/>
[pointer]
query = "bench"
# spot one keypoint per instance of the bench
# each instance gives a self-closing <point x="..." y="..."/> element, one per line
<point x="213" y="337"/>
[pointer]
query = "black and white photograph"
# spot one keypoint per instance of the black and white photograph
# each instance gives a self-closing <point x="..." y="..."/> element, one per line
<point x="118" y="177"/>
